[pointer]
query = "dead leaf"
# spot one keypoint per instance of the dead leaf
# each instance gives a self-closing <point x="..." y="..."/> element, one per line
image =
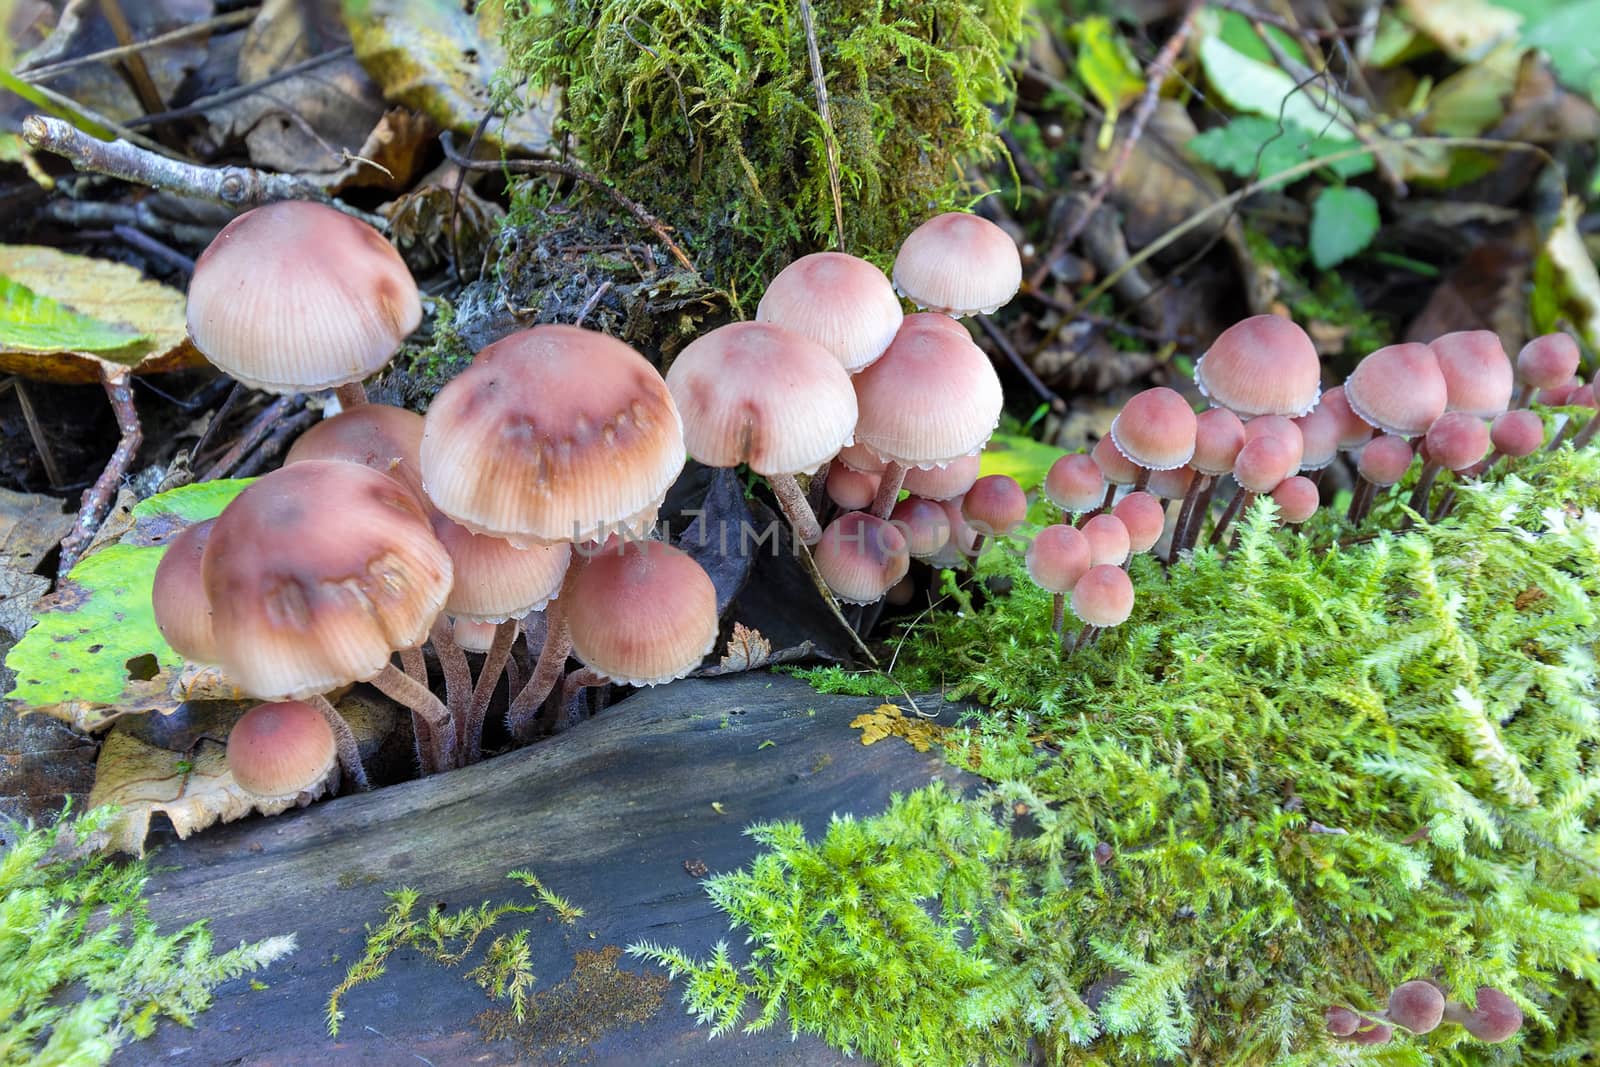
<point x="1466" y="30"/>
<point x="112" y="293"/>
<point x="1487" y="291"/>
<point x="747" y="650"/>
<point x="1572" y="276"/>
<point x="887" y="720"/>
<point x="391" y="156"/>
<point x="420" y="220"/>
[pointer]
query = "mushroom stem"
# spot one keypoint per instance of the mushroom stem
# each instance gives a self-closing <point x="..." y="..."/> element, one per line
<point x="546" y="673"/>
<point x="796" y="508"/>
<point x="415" y="664"/>
<point x="426" y="708"/>
<point x="1586" y="434"/>
<point x="1058" y="613"/>
<point x="344" y="740"/>
<point x="457" y="674"/>
<point x="494" y="664"/>
<point x="1142" y="482"/>
<point x="350" y="396"/>
<point x="1424" y="487"/>
<point x="976" y="550"/>
<point x="1242" y="498"/>
<point x="1361" y="501"/>
<point x="1314" y="476"/>
<point x="894" y="477"/>
<point x="578" y="680"/>
<point x="1200" y="486"/>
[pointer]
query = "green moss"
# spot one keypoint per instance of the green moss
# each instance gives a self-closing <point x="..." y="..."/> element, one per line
<point x="83" y="969"/>
<point x="704" y="111"/>
<point x="1296" y="777"/>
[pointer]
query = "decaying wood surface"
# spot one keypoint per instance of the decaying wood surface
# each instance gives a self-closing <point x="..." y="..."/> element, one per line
<point x="608" y="815"/>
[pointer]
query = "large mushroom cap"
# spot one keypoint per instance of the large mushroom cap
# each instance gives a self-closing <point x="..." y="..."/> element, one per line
<point x="932" y="399"/>
<point x="1155" y="429"/>
<point x="1477" y="372"/>
<point x="842" y="303"/>
<point x="1399" y="389"/>
<point x="296" y="296"/>
<point x="959" y="264"/>
<point x="494" y="579"/>
<point x="316" y="574"/>
<point x="861" y="557"/>
<point x="183" y="614"/>
<point x="758" y="394"/>
<point x="641" y="612"/>
<point x="278" y="751"/>
<point x="552" y="434"/>
<point x="387" y="439"/>
<point x="1263" y="365"/>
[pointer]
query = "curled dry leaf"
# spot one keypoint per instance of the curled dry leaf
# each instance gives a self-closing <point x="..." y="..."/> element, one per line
<point x="887" y="720"/>
<point x="747" y="650"/>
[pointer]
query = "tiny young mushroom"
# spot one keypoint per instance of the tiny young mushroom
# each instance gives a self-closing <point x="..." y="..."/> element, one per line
<point x="1155" y="431"/>
<point x="1109" y="541"/>
<point x="1057" y="558"/>
<point x="924" y="524"/>
<point x="1218" y="437"/>
<point x="932" y="399"/>
<point x="994" y="507"/>
<point x="1547" y="362"/>
<point x="1557" y="395"/>
<point x="958" y="264"/>
<point x="1075" y="484"/>
<point x="1342" y="1021"/>
<point x="1455" y="441"/>
<point x="1262" y="365"/>
<point x="316" y="574"/>
<point x="475" y="636"/>
<point x="849" y="488"/>
<point x="296" y="296"/>
<point x="1496" y="1018"/>
<point x="758" y="394"/>
<point x="842" y="303"/>
<point x="861" y="557"/>
<point x="1297" y="498"/>
<point x="1271" y="453"/>
<point x="1117" y="470"/>
<point x="1101" y="599"/>
<point x="1383" y="462"/>
<point x="943" y="483"/>
<point x="1516" y="434"/>
<point x="283" y="753"/>
<point x="1144" y="519"/>
<point x="1416" y="1005"/>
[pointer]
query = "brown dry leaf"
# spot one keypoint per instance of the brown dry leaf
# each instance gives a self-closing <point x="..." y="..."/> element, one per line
<point x="1486" y="292"/>
<point x="1466" y="30"/>
<point x="391" y="156"/>
<point x="1579" y="283"/>
<point x="113" y="293"/>
<point x="747" y="650"/>
<point x="887" y="720"/>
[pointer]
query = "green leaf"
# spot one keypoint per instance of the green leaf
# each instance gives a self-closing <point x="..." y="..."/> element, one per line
<point x="1255" y="147"/>
<point x="30" y="322"/>
<point x="1261" y="88"/>
<point x="1022" y="458"/>
<point x="1343" y="222"/>
<point x="1108" y="70"/>
<point x="1567" y="33"/>
<point x="94" y="651"/>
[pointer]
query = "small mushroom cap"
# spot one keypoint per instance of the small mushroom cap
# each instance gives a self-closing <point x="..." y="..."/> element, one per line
<point x="1354" y="431"/>
<point x="1155" y="429"/>
<point x="1375" y="1034"/>
<point x="924" y="523"/>
<point x="901" y="593"/>
<point x="1496" y="1018"/>
<point x="840" y="302"/>
<point x="387" y="439"/>
<point x="1286" y="430"/>
<point x="183" y="614"/>
<point x="1456" y="440"/>
<point x="1557" y="396"/>
<point x="932" y="399"/>
<point x="758" y="394"/>
<point x="1297" y="499"/>
<point x="552" y="434"/>
<point x="861" y="557"/>
<point x="1385" y="460"/>
<point x="858" y="457"/>
<point x="1173" y="484"/>
<point x="1143" y="517"/>
<point x="471" y="635"/>
<point x="1114" y="466"/>
<point x="1264" y="462"/>
<point x="1109" y="540"/>
<point x="1219" y="434"/>
<point x="1477" y="372"/>
<point x="943" y="483"/>
<point x="963" y="538"/>
<point x="1075" y="483"/>
<point x="295" y="296"/>
<point x="494" y="579"/>
<point x="1399" y="389"/>
<point x="1058" y="557"/>
<point x="277" y="751"/>
<point x="1416" y="1005"/>
<point x="1517" y="433"/>
<point x="641" y="612"/>
<point x="316" y="574"/>
<point x="1103" y="596"/>
<point x="1548" y="361"/>
<point x="1263" y="365"/>
<point x="1342" y="1022"/>
<point x="959" y="264"/>
<point x="850" y="489"/>
<point x="1582" y="397"/>
<point x="995" y="505"/>
<point x="1320" y="433"/>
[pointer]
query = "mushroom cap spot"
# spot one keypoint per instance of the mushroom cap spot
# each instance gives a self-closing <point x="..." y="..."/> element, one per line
<point x="277" y="751"/>
<point x="958" y="264"/>
<point x="842" y="303"/>
<point x="552" y="434"/>
<point x="1262" y="365"/>
<point x="296" y="296"/>
<point x="759" y="394"/>
<point x="641" y="612"/>
<point x="861" y="557"/>
<point x="1103" y="596"/>
<point x="1058" y="557"/>
<point x="931" y="399"/>
<point x="316" y="574"/>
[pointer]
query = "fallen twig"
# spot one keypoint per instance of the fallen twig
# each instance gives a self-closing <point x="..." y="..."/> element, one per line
<point x="97" y="498"/>
<point x="820" y="84"/>
<point x="1010" y="352"/>
<point x="253" y="435"/>
<point x="182" y="33"/>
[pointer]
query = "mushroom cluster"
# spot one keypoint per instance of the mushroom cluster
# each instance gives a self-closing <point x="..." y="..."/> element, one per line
<point x="531" y="477"/>
<point x="1419" y="1007"/>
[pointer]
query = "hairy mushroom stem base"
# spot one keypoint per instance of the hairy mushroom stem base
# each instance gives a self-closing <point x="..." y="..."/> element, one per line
<point x="575" y="683"/>
<point x="495" y="662"/>
<point x="457" y="674"/>
<point x="547" y="672"/>
<point x="796" y="508"/>
<point x="439" y="752"/>
<point x="894" y="477"/>
<point x="415" y="664"/>
<point x="353" y="395"/>
<point x="344" y="740"/>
